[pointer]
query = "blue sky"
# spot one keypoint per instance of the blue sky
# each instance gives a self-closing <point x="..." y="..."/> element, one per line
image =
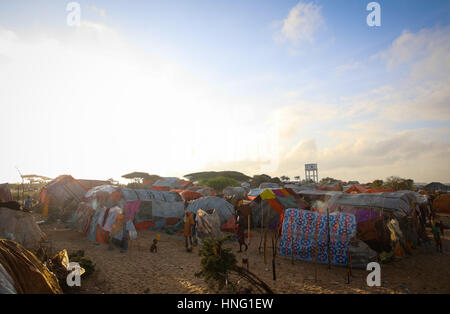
<point x="364" y="102"/>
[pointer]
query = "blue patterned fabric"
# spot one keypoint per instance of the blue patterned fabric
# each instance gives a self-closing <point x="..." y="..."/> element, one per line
<point x="301" y="228"/>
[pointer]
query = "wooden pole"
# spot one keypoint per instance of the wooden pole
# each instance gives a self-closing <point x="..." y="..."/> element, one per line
<point x="349" y="264"/>
<point x="248" y="234"/>
<point x="316" y="250"/>
<point x="292" y="244"/>
<point x="328" y="239"/>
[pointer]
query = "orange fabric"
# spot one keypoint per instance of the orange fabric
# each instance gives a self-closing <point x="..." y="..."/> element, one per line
<point x="442" y="203"/>
<point x="275" y="205"/>
<point x="356" y="189"/>
<point x="190" y="195"/>
<point x="285" y="192"/>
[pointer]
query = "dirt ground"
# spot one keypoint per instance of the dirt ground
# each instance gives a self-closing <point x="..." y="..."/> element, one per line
<point x="172" y="269"/>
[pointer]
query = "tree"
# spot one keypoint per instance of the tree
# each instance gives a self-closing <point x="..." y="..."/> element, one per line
<point x="139" y="177"/>
<point x="396" y="183"/>
<point x="219" y="183"/>
<point x="220" y="269"/>
<point x="328" y="180"/>
<point x="297" y="178"/>
<point x="377" y="184"/>
<point x="197" y="176"/>
<point x="285" y="178"/>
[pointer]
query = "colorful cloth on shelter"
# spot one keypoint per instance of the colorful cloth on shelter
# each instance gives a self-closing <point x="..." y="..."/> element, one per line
<point x="366" y="214"/>
<point x="131" y="208"/>
<point x="267" y="194"/>
<point x="302" y="228"/>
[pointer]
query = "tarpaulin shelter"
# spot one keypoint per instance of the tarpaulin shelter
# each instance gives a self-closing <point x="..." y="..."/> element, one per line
<point x="204" y="190"/>
<point x="356" y="189"/>
<point x="5" y="193"/>
<point x="187" y="195"/>
<point x="64" y="191"/>
<point x="21" y="272"/>
<point x="235" y="191"/>
<point x="436" y="186"/>
<point x="381" y="217"/>
<point x="330" y="187"/>
<point x="441" y="203"/>
<point x="270" y="204"/>
<point x="305" y="236"/>
<point x="146" y="208"/>
<point x="171" y="183"/>
<point x="224" y="209"/>
<point x="208" y="224"/>
<point x="21" y="227"/>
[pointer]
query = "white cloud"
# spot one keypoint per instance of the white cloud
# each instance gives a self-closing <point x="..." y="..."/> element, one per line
<point x="302" y="23"/>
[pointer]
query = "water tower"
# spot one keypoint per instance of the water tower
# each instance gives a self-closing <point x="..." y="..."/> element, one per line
<point x="312" y="172"/>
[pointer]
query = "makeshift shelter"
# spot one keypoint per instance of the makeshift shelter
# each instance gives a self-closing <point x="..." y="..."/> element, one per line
<point x="330" y="187"/>
<point x="224" y="209"/>
<point x="305" y="236"/>
<point x="435" y="187"/>
<point x="238" y="191"/>
<point x="170" y="183"/>
<point x="208" y="224"/>
<point x="144" y="208"/>
<point x="269" y="205"/>
<point x="64" y="192"/>
<point x="269" y="185"/>
<point x="356" y="189"/>
<point x="441" y="203"/>
<point x="382" y="217"/>
<point x="5" y="193"/>
<point x="21" y="227"/>
<point x="187" y="195"/>
<point x="21" y="272"/>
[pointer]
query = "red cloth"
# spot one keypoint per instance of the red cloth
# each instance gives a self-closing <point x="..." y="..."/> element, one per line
<point x="144" y="225"/>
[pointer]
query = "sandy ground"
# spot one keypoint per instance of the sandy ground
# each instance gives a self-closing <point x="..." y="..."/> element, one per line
<point x="172" y="269"/>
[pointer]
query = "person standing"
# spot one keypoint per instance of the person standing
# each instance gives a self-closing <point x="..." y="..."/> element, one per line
<point x="242" y="226"/>
<point x="437" y="236"/>
<point x="188" y="226"/>
<point x="28" y="203"/>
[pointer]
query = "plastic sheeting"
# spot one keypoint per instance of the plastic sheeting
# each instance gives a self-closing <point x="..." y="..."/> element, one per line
<point x="20" y="227"/>
<point x="27" y="272"/>
<point x="396" y="203"/>
<point x="224" y="209"/>
<point x="302" y="228"/>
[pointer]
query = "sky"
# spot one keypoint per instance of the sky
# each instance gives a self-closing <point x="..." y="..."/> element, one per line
<point x="257" y="86"/>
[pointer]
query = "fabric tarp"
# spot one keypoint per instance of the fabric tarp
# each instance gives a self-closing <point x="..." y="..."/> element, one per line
<point x="301" y="229"/>
<point x="224" y="209"/>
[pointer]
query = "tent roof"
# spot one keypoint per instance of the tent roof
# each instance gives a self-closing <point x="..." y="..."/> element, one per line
<point x="131" y="195"/>
<point x="398" y="202"/>
<point x="223" y="208"/>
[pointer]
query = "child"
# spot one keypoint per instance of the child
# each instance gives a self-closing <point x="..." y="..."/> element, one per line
<point x="437" y="236"/>
<point x="242" y="225"/>
<point x="154" y="248"/>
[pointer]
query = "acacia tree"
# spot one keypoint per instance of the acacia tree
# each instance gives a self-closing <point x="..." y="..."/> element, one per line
<point x="396" y="183"/>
